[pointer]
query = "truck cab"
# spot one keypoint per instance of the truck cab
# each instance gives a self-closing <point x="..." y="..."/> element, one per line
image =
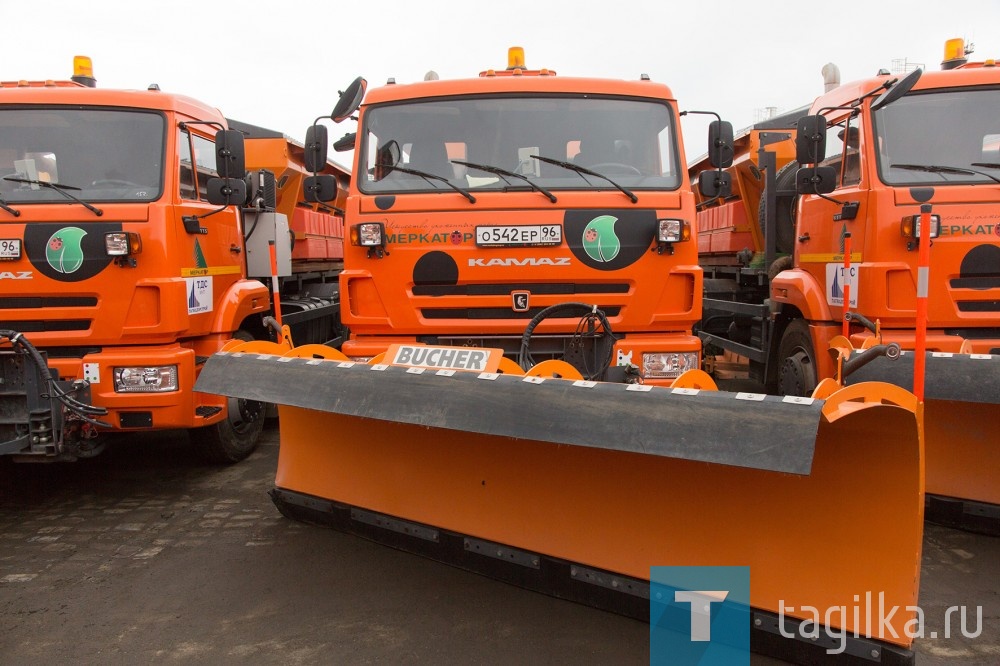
<point x="116" y="266"/>
<point x="544" y="215"/>
<point x="938" y="144"/>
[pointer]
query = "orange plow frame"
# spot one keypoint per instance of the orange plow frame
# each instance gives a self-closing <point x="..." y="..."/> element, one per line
<point x="587" y="523"/>
<point x="961" y="427"/>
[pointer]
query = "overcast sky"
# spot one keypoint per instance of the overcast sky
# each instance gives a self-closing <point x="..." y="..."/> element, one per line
<point x="280" y="64"/>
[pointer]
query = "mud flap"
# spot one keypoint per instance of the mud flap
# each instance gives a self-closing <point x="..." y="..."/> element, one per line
<point x="822" y="499"/>
<point x="962" y="429"/>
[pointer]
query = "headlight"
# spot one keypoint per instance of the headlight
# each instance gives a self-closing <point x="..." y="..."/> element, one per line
<point x="122" y="243"/>
<point x="143" y="379"/>
<point x="668" y="365"/>
<point x="368" y="234"/>
<point x="910" y="226"/>
<point x="673" y="231"/>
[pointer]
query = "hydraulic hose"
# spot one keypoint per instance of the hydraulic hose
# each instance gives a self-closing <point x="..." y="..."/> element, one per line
<point x="84" y="411"/>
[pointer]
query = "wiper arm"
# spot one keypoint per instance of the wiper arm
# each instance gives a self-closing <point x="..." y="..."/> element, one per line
<point x="988" y="165"/>
<point x="503" y="173"/>
<point x="583" y="170"/>
<point x="61" y="189"/>
<point x="6" y="207"/>
<point x="434" y="176"/>
<point x="938" y="168"/>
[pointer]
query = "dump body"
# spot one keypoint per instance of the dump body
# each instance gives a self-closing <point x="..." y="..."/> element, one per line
<point x="116" y="265"/>
<point x="495" y="234"/>
<point x="781" y="310"/>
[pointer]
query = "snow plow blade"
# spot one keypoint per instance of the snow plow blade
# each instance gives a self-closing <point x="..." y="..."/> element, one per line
<point x="576" y="489"/>
<point x="962" y="422"/>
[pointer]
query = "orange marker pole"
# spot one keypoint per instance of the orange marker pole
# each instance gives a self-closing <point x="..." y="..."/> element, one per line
<point x="847" y="284"/>
<point x="274" y="284"/>
<point x="923" y="284"/>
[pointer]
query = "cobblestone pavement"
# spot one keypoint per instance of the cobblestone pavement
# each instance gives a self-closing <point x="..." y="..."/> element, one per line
<point x="144" y="555"/>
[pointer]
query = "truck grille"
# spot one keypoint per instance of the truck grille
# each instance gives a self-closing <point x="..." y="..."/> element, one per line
<point x="504" y="289"/>
<point x="34" y="302"/>
<point x="44" y="326"/>
<point x="501" y="313"/>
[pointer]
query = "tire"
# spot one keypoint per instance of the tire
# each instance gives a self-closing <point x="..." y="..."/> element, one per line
<point x="797" y="373"/>
<point x="236" y="436"/>
<point x="785" y="205"/>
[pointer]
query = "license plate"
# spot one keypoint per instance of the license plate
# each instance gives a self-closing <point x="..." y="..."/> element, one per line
<point x="519" y="235"/>
<point x="10" y="248"/>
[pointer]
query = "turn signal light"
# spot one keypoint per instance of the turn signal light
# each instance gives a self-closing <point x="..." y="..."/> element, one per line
<point x="910" y="226"/>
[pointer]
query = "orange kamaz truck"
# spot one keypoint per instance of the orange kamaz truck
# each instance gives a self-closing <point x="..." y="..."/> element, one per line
<point x="823" y="205"/>
<point x="547" y="216"/>
<point x="133" y="245"/>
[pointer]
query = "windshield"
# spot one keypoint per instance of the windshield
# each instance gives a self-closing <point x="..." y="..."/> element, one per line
<point x="630" y="141"/>
<point x="99" y="155"/>
<point x="940" y="138"/>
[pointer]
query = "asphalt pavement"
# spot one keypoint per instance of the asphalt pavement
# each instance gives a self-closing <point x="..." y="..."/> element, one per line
<point x="146" y="555"/>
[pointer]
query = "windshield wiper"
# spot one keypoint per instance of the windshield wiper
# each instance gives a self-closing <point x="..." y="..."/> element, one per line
<point x="937" y="168"/>
<point x="434" y="176"/>
<point x="6" y="207"/>
<point x="583" y="170"/>
<point x="988" y="165"/>
<point x="503" y="173"/>
<point x="61" y="189"/>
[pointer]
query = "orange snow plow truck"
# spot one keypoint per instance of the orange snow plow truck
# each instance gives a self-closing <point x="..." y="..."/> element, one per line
<point x="519" y="393"/>
<point x="823" y="205"/>
<point x="133" y="247"/>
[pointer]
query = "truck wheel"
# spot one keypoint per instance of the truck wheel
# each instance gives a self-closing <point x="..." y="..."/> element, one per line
<point x="235" y="437"/>
<point x="784" y="180"/>
<point x="797" y="374"/>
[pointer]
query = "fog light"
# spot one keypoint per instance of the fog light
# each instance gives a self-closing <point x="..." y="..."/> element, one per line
<point x="146" y="379"/>
<point x="668" y="365"/>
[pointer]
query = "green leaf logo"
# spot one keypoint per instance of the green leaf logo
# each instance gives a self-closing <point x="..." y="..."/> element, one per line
<point x="64" y="250"/>
<point x="599" y="239"/>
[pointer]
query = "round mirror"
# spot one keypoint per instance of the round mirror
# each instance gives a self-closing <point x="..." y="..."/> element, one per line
<point x="349" y="100"/>
<point x="900" y="88"/>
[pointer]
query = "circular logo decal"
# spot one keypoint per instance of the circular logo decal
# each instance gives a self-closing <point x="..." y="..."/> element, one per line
<point x="64" y="251"/>
<point x="609" y="240"/>
<point x="68" y="253"/>
<point x="599" y="240"/>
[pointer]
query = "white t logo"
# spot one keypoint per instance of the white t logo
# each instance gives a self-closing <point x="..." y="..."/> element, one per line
<point x="701" y="610"/>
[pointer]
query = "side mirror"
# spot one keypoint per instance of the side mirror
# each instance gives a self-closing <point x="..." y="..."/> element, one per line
<point x="345" y="142"/>
<point x="720" y="144"/>
<point x="230" y="155"/>
<point x="227" y="191"/>
<point x="903" y="86"/>
<point x="349" y="100"/>
<point x="315" y="155"/>
<point x="714" y="184"/>
<point x="810" y="140"/>
<point x="816" y="180"/>
<point x="320" y="188"/>
<point x="387" y="157"/>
